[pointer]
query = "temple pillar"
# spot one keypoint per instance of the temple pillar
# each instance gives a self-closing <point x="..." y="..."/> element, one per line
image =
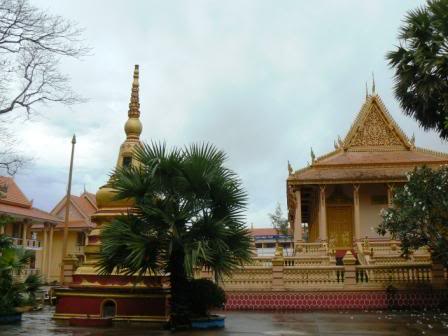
<point x="44" y="250"/>
<point x="24" y="233"/>
<point x="2" y="229"/>
<point x="322" y="214"/>
<point x="298" y="217"/>
<point x="390" y="194"/>
<point x="50" y="252"/>
<point x="357" y="221"/>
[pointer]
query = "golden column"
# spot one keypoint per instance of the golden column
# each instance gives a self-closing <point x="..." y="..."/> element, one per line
<point x="298" y="217"/>
<point x="357" y="220"/>
<point x="44" y="249"/>
<point x="50" y="250"/>
<point x="322" y="214"/>
<point x="390" y="194"/>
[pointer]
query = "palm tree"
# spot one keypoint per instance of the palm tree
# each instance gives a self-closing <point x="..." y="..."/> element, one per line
<point x="189" y="214"/>
<point x="14" y="292"/>
<point x="421" y="66"/>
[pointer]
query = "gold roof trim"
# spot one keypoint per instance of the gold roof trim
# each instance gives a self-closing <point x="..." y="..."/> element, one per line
<point x="392" y="127"/>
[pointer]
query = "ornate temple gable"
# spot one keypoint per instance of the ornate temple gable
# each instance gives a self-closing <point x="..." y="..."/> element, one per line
<point x="375" y="130"/>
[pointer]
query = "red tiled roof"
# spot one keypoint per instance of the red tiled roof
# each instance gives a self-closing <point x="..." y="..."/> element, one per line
<point x="31" y="213"/>
<point x="14" y="195"/>
<point x="14" y="203"/>
<point x="385" y="157"/>
<point x="85" y="204"/>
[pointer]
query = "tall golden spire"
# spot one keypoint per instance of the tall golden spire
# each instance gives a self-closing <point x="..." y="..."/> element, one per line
<point x="134" y="104"/>
<point x="133" y="126"/>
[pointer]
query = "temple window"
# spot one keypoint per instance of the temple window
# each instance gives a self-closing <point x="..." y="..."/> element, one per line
<point x="127" y="160"/>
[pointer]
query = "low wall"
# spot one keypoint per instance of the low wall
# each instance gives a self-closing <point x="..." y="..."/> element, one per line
<point x="332" y="300"/>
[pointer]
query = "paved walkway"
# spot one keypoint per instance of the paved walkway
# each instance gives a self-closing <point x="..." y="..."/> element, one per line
<point x="260" y="323"/>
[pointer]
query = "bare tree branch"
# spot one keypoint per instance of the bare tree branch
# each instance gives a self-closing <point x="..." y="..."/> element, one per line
<point x="32" y="43"/>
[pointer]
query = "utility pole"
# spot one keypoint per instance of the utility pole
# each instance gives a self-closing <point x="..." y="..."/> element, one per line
<point x="67" y="212"/>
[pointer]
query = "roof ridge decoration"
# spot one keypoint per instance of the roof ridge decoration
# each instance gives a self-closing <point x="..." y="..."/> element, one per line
<point x="374" y="129"/>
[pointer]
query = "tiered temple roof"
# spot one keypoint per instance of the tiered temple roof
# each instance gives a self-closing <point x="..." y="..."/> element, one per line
<point x="374" y="150"/>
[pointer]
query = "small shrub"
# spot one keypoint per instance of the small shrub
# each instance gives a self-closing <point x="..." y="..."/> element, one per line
<point x="205" y="295"/>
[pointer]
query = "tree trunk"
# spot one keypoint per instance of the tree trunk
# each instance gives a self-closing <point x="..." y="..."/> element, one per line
<point x="179" y="289"/>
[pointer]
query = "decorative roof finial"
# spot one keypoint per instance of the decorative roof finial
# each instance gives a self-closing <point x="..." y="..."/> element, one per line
<point x="313" y="156"/>
<point x="367" y="91"/>
<point x="134" y="104"/>
<point x="413" y="139"/>
<point x="340" y="142"/>
<point x="290" y="170"/>
<point x="133" y="126"/>
<point x="373" y="83"/>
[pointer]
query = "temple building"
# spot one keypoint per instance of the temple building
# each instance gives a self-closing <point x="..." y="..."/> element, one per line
<point x="23" y="217"/>
<point x="82" y="207"/>
<point x="266" y="241"/>
<point x="334" y="207"/>
<point x="339" y="196"/>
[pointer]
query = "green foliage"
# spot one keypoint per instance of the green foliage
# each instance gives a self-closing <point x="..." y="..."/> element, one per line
<point x="13" y="260"/>
<point x="419" y="214"/>
<point x="205" y="295"/>
<point x="421" y="65"/>
<point x="279" y="222"/>
<point x="189" y="214"/>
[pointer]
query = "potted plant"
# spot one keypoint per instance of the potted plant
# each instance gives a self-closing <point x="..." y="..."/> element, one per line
<point x="188" y="214"/>
<point x="205" y="295"/>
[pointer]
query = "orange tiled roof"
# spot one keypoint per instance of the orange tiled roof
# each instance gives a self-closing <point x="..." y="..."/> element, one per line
<point x="415" y="156"/>
<point x="85" y="204"/>
<point x="14" y="195"/>
<point x="14" y="203"/>
<point x="31" y="213"/>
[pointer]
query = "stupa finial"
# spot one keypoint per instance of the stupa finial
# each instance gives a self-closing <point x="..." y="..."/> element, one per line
<point x="133" y="126"/>
<point x="134" y="104"/>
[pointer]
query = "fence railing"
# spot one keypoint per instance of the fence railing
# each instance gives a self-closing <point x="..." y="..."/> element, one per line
<point x="24" y="273"/>
<point x="295" y="278"/>
<point x="281" y="274"/>
<point x="393" y="274"/>
<point x="29" y="244"/>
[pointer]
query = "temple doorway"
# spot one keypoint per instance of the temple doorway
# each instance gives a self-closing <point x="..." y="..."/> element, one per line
<point x="340" y="226"/>
<point x="109" y="308"/>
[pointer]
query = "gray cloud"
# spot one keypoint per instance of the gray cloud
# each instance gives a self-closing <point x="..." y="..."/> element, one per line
<point x="263" y="80"/>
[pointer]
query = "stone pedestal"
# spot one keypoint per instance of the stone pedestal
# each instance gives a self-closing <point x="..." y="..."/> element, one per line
<point x="349" y="261"/>
<point x="438" y="275"/>
<point x="277" y="269"/>
<point x="70" y="263"/>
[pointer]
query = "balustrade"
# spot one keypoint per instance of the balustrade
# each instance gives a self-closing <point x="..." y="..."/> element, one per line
<point x="296" y="278"/>
<point x="29" y="244"/>
<point x="393" y="274"/>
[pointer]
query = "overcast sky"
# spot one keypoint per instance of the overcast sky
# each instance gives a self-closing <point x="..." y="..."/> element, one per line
<point x="262" y="80"/>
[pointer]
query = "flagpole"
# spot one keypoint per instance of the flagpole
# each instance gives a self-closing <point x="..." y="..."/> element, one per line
<point x="67" y="212"/>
